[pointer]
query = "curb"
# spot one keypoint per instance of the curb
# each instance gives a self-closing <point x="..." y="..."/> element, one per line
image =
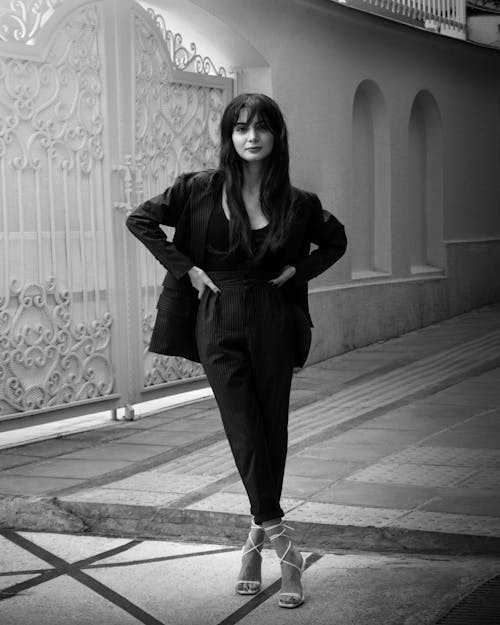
<point x="56" y="515"/>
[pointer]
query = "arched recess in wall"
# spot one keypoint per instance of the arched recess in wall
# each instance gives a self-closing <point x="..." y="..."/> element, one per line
<point x="370" y="231"/>
<point x="425" y="190"/>
<point x="224" y="46"/>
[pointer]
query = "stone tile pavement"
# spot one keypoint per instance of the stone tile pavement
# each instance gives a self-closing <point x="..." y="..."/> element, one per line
<point x="56" y="579"/>
<point x="393" y="446"/>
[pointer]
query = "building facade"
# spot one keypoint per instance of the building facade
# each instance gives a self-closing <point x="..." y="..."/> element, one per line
<point x="396" y="128"/>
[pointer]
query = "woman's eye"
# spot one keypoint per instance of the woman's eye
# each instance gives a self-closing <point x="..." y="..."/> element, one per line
<point x="240" y="128"/>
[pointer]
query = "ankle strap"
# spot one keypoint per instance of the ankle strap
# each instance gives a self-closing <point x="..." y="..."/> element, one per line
<point x="283" y="528"/>
<point x="254" y="526"/>
<point x="257" y="544"/>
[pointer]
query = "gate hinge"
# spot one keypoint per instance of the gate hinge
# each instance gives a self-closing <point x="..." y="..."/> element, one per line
<point x="127" y="172"/>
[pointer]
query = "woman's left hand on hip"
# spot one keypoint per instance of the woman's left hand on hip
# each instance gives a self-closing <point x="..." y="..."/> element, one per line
<point x="286" y="273"/>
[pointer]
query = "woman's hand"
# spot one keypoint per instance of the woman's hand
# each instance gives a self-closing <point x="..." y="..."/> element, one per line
<point x="201" y="281"/>
<point x="286" y="273"/>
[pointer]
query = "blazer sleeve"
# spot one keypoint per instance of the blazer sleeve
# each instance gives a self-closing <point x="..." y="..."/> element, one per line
<point x="165" y="209"/>
<point x="325" y="231"/>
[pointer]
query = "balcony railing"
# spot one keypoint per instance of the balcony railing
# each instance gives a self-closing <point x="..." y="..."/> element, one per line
<point x="448" y="17"/>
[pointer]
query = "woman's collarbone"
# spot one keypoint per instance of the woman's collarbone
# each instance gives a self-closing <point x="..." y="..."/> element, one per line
<point x="254" y="211"/>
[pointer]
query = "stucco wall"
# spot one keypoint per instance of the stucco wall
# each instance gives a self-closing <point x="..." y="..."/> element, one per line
<point x="318" y="53"/>
<point x="351" y="315"/>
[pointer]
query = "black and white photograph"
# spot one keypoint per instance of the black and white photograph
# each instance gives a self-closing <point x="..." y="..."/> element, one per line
<point x="249" y="312"/>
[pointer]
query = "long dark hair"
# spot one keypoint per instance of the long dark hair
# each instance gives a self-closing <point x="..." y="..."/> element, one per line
<point x="275" y="189"/>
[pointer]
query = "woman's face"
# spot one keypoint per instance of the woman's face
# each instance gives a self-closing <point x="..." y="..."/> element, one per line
<point x="252" y="141"/>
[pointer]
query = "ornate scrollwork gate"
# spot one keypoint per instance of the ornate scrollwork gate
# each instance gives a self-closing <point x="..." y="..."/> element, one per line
<point x="101" y="106"/>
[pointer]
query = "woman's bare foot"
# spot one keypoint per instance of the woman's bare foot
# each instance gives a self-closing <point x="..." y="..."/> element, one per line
<point x="292" y="562"/>
<point x="249" y="578"/>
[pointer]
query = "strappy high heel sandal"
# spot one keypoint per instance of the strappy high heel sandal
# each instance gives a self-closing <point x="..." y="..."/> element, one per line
<point x="251" y="587"/>
<point x="298" y="598"/>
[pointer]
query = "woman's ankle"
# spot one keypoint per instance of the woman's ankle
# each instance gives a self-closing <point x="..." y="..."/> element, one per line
<point x="272" y="523"/>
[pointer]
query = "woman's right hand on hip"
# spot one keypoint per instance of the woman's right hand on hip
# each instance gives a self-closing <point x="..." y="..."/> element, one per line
<point x="200" y="281"/>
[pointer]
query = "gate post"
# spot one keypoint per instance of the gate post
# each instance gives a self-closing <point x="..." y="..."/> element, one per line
<point x="119" y="102"/>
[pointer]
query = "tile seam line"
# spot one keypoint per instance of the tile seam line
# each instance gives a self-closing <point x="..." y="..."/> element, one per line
<point x="401" y="375"/>
<point x="447" y="515"/>
<point x="445" y="356"/>
<point x="339" y="415"/>
<point x="199" y="464"/>
<point x="305" y="428"/>
<point x="420" y="383"/>
<point x="216" y="465"/>
<point x="223" y="472"/>
<point x="107" y="593"/>
<point x="452" y="451"/>
<point x="397" y="392"/>
<point x="59" y="563"/>
<point x="122" y="474"/>
<point x="327" y="422"/>
<point x="381" y="392"/>
<point x="354" y="410"/>
<point x="356" y="390"/>
<point x="330" y="412"/>
<point x="319" y="406"/>
<point x="201" y="468"/>
<point x="421" y="363"/>
<point x="213" y="452"/>
<point x="378" y="382"/>
<point x="488" y="339"/>
<point x="298" y="427"/>
<point x="424" y="462"/>
<point x="452" y="348"/>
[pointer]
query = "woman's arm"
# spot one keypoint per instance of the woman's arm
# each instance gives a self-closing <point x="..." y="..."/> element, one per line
<point x="325" y="231"/>
<point x="166" y="209"/>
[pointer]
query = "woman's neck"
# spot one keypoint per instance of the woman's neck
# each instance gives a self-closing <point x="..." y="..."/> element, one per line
<point x="252" y="177"/>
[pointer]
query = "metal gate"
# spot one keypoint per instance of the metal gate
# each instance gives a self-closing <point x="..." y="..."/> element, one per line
<point x="101" y="106"/>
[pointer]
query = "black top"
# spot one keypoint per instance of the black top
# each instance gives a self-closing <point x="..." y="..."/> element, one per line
<point x="188" y="205"/>
<point x="217" y="257"/>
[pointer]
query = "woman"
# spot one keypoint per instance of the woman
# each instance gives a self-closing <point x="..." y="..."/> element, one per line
<point x="241" y="245"/>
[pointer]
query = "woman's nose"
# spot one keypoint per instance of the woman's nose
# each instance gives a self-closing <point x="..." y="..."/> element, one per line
<point x="252" y="133"/>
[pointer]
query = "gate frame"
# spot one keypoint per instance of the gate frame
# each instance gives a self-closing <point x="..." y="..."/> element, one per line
<point x="117" y="105"/>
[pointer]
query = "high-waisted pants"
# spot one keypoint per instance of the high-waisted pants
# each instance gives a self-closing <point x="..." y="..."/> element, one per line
<point x="245" y="341"/>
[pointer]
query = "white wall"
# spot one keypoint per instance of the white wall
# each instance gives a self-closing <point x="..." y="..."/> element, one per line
<point x="484" y="29"/>
<point x="318" y="54"/>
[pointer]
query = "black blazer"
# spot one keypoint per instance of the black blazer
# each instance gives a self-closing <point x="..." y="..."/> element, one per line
<point x="187" y="206"/>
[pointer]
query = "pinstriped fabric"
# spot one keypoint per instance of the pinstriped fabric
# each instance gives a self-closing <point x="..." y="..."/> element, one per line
<point x="203" y="201"/>
<point x="245" y="341"/>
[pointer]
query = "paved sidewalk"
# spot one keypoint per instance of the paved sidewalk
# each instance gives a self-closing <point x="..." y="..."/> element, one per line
<point x="393" y="446"/>
<point x="57" y="579"/>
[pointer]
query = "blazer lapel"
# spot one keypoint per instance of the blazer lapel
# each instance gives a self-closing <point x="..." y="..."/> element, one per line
<point x="204" y="200"/>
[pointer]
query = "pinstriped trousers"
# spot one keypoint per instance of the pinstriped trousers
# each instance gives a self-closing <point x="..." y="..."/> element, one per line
<point x="246" y="346"/>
